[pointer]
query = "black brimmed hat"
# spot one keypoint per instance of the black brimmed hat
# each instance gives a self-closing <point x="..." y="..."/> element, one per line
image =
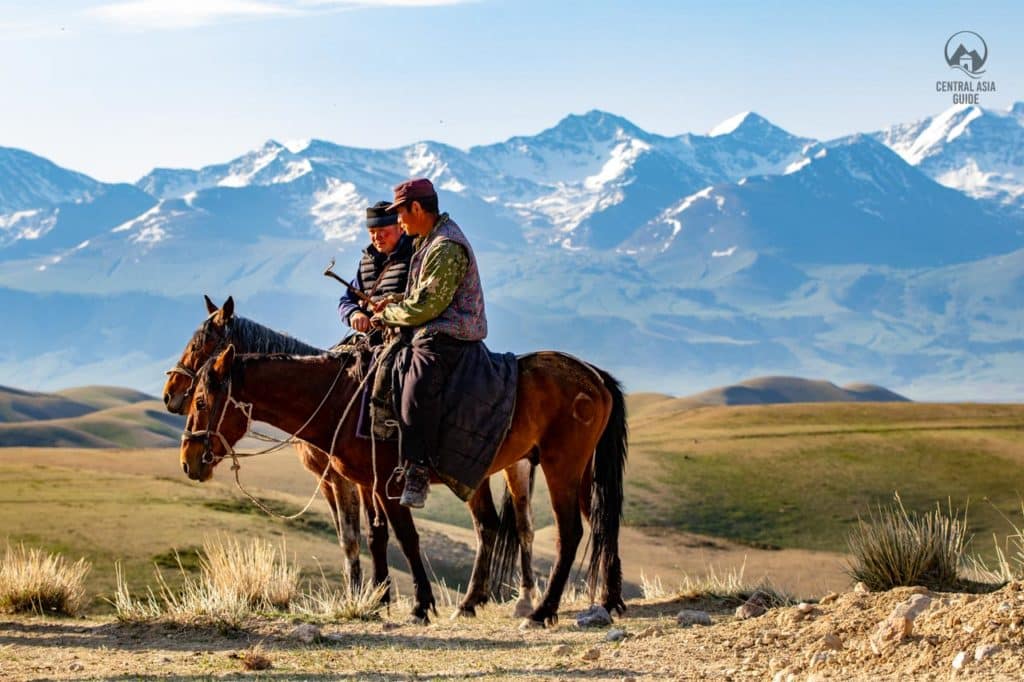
<point x="381" y="215"/>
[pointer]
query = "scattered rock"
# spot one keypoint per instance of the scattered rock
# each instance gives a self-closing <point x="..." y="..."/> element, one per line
<point x="832" y="641"/>
<point x="307" y="633"/>
<point x="594" y="617"/>
<point x="959" y="660"/>
<point x="805" y="608"/>
<point x="561" y="650"/>
<point x="985" y="650"/>
<point x="615" y="635"/>
<point x="861" y="588"/>
<point x="591" y="654"/>
<point x="819" y="657"/>
<point x="828" y="598"/>
<point x="76" y="667"/>
<point x="755" y="606"/>
<point x="649" y="631"/>
<point x="899" y="625"/>
<point x="688" y="617"/>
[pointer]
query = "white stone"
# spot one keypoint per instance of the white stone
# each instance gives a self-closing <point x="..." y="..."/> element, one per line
<point x="983" y="651"/>
<point x="615" y="635"/>
<point x="594" y="617"/>
<point x="959" y="660"/>
<point x="307" y="633"/>
<point x="688" y="617"/>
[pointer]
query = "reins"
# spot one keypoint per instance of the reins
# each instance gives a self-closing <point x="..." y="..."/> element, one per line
<point x="246" y="409"/>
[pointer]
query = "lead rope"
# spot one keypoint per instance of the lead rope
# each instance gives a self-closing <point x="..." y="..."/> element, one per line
<point x="236" y="467"/>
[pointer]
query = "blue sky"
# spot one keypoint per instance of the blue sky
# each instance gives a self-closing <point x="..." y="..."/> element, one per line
<point x="114" y="88"/>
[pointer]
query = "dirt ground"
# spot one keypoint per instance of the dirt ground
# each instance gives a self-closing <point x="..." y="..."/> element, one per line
<point x="827" y="640"/>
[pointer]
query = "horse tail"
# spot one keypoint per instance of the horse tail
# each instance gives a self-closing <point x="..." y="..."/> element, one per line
<point x="606" y="498"/>
<point x="506" y="544"/>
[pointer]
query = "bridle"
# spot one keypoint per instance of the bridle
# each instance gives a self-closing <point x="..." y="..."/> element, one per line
<point x="206" y="435"/>
<point x="192" y="374"/>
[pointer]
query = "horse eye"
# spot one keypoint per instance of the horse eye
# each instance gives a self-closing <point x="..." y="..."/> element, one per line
<point x="200" y="404"/>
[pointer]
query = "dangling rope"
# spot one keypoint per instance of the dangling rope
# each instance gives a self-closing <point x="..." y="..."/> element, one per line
<point x="236" y="467"/>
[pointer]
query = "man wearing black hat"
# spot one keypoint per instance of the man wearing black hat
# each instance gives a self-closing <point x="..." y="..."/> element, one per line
<point x="443" y="313"/>
<point x="383" y="268"/>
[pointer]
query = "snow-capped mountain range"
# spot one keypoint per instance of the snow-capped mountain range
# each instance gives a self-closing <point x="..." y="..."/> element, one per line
<point x="677" y="262"/>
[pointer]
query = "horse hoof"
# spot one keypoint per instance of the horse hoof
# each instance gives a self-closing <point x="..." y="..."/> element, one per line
<point x="531" y="624"/>
<point x="523" y="608"/>
<point x="463" y="612"/>
<point x="418" y="620"/>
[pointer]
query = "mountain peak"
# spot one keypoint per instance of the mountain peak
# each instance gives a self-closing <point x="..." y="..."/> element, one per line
<point x="745" y="121"/>
<point x="594" y="124"/>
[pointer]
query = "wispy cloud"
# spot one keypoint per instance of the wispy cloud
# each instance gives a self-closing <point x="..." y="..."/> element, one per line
<point x="170" y="14"/>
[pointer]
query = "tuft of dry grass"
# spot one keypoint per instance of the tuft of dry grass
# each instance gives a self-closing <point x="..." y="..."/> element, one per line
<point x="235" y="581"/>
<point x="896" y="548"/>
<point x="32" y="581"/>
<point x="731" y="588"/>
<point x="254" y="659"/>
<point x="1009" y="558"/>
<point x="255" y="573"/>
<point x="332" y="604"/>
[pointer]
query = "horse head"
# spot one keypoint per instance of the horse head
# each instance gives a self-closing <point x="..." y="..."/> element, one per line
<point x="209" y="339"/>
<point x="215" y="421"/>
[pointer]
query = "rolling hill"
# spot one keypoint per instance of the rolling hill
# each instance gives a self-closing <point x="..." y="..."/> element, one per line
<point x="86" y="417"/>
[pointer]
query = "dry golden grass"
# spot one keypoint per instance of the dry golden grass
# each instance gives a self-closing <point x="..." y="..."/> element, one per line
<point x="33" y="581"/>
<point x="236" y="580"/>
<point x="897" y="548"/>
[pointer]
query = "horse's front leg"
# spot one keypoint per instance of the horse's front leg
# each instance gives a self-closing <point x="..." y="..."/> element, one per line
<point x="346" y="497"/>
<point x="343" y="501"/>
<point x="405" y="532"/>
<point x="485" y="521"/>
<point x="377" y="525"/>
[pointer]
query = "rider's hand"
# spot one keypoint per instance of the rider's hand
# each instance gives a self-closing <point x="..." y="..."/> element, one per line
<point x="376" y="322"/>
<point x="359" y="321"/>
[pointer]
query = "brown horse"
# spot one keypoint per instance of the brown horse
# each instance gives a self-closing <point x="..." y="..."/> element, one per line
<point x="222" y="328"/>
<point x="569" y="418"/>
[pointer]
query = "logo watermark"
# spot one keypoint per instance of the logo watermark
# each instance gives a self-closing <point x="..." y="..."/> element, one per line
<point x="967" y="52"/>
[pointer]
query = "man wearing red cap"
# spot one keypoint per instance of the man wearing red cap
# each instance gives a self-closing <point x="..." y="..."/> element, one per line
<point x="442" y="312"/>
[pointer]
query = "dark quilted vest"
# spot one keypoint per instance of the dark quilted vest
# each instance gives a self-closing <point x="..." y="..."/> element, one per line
<point x="394" y="268"/>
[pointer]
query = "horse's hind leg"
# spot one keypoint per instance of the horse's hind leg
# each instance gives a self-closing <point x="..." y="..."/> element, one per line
<point x="565" y="504"/>
<point x="377" y="525"/>
<point x="409" y="539"/>
<point x="485" y="521"/>
<point x="520" y="485"/>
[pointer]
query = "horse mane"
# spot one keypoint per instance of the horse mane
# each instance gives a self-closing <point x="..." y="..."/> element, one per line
<point x="255" y="338"/>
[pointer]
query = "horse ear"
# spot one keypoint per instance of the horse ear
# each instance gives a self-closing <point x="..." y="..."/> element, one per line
<point x="228" y="310"/>
<point x="222" y="365"/>
<point x="211" y="307"/>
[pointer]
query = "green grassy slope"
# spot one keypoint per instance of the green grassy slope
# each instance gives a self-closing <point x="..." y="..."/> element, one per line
<point x="798" y="475"/>
<point x="103" y="397"/>
<point x="17" y="405"/>
<point x="144" y="424"/>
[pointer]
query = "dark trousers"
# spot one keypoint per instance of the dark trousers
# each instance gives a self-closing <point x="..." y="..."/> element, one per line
<point x="432" y="359"/>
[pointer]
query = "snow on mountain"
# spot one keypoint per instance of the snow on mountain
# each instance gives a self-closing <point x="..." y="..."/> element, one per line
<point x="30" y="182"/>
<point x="745" y="251"/>
<point x="977" y="151"/>
<point x="853" y="201"/>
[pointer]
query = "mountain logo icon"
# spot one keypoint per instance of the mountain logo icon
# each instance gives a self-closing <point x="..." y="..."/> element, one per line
<point x="968" y="52"/>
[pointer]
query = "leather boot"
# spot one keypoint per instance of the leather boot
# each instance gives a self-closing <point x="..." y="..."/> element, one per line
<point x="417" y="485"/>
